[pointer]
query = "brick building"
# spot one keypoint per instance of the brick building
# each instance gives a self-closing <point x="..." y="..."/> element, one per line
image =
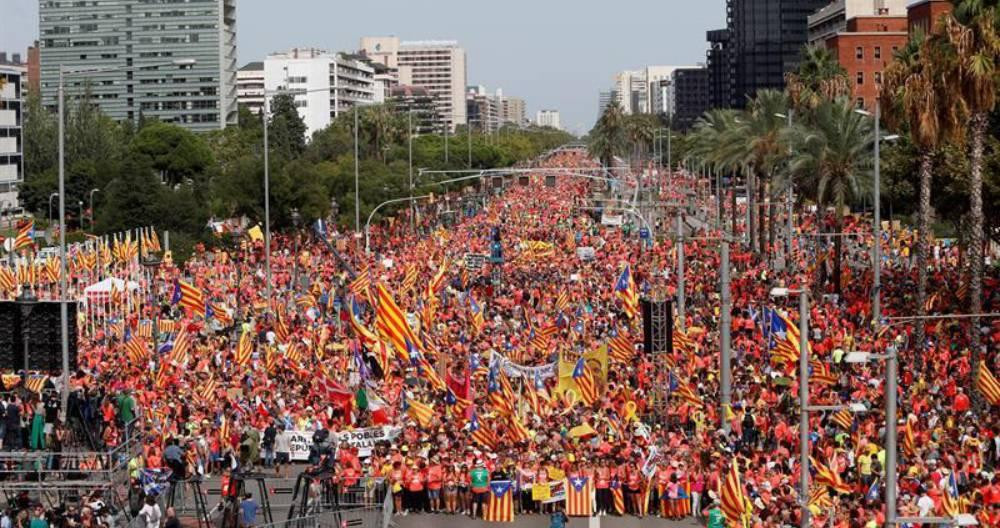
<point x="865" y="50"/>
<point x="925" y="15"/>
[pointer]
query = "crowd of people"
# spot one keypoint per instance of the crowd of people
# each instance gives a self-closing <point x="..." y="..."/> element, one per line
<point x="531" y="368"/>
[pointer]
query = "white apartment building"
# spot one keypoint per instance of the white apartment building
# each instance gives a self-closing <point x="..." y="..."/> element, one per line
<point x="250" y="86"/>
<point x="328" y="83"/>
<point x="641" y="91"/>
<point x="548" y="118"/>
<point x="512" y="109"/>
<point x="11" y="119"/>
<point x="437" y="65"/>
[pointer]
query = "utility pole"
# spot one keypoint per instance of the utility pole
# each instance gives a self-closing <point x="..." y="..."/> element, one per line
<point x="680" y="272"/>
<point x="804" y="406"/>
<point x="725" y="372"/>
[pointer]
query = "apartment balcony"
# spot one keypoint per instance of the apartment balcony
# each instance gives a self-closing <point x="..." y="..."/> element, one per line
<point x="8" y="145"/>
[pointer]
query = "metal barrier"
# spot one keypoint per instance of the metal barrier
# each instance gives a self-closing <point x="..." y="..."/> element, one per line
<point x="57" y="476"/>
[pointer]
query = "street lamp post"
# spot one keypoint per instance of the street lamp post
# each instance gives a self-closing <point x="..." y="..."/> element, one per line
<point x="891" y="389"/>
<point x="788" y="205"/>
<point x="92" y="191"/>
<point x="267" y="202"/>
<point x="79" y="203"/>
<point x="296" y="221"/>
<point x="51" y="196"/>
<point x="357" y="161"/>
<point x="409" y="128"/>
<point x="803" y="397"/>
<point x="63" y="264"/>
<point x="680" y="271"/>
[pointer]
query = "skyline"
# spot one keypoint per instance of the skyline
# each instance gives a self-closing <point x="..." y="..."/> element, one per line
<point x="499" y="55"/>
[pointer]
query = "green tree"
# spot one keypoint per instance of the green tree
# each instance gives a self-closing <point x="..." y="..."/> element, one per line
<point x="177" y="154"/>
<point x="832" y="152"/>
<point x="608" y="137"/>
<point x="972" y="32"/>
<point x="820" y="77"/>
<point x="286" y="130"/>
<point x="917" y="96"/>
<point x="133" y="199"/>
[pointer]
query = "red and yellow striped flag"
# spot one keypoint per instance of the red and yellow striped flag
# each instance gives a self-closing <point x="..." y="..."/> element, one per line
<point x="732" y="498"/>
<point x="244" y="349"/>
<point x="390" y="320"/>
<point x="987" y="384"/>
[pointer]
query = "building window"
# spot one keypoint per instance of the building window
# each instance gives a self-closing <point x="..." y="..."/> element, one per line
<point x="878" y="52"/>
<point x="878" y="78"/>
<point x="861" y="78"/>
<point x="859" y="102"/>
<point x="859" y="53"/>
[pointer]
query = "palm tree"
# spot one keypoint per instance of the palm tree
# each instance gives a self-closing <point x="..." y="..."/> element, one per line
<point x="607" y="139"/>
<point x="972" y="32"/>
<point x="639" y="130"/>
<point x="820" y="77"/>
<point x="917" y="93"/>
<point x="832" y="152"/>
<point x="757" y="140"/>
<point x="705" y="140"/>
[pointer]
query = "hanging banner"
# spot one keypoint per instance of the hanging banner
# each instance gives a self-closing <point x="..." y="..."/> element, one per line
<point x="363" y="439"/>
<point x="521" y="371"/>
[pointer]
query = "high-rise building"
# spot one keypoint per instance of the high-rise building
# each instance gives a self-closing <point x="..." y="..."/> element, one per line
<point x="250" y="86"/>
<point x="658" y="95"/>
<point x="328" y="83"/>
<point x="548" y="118"/>
<point x="720" y="67"/>
<point x="604" y="100"/>
<point x="483" y="110"/>
<point x="767" y="37"/>
<point x="34" y="68"/>
<point x="438" y="66"/>
<point x="131" y="36"/>
<point x="631" y="90"/>
<point x="512" y="109"/>
<point x="13" y="77"/>
<point x="832" y="18"/>
<point x="416" y="103"/>
<point x="691" y="96"/>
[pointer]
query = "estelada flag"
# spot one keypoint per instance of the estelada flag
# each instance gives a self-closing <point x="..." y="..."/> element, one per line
<point x="585" y="382"/>
<point x="619" y="497"/>
<point x="189" y="296"/>
<point x="500" y="507"/>
<point x="578" y="497"/>
<point x="626" y="290"/>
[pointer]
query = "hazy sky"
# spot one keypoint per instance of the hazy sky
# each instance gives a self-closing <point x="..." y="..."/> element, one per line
<point x="553" y="53"/>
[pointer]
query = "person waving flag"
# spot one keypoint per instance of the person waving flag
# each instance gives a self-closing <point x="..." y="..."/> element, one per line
<point x="626" y="291"/>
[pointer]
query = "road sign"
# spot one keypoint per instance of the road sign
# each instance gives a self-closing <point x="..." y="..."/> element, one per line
<point x="643" y="233"/>
<point x="474" y="261"/>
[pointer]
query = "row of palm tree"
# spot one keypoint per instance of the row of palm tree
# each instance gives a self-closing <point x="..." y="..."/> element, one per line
<point x="825" y="155"/>
<point x="940" y="91"/>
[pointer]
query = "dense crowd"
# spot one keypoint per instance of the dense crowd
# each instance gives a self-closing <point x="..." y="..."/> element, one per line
<point x="315" y="360"/>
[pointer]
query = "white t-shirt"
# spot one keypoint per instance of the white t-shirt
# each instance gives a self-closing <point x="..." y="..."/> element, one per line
<point x="926" y="505"/>
<point x="151" y="514"/>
